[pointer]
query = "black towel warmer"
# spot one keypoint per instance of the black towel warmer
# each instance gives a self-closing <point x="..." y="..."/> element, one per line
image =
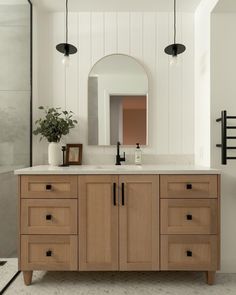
<point x="224" y="137"/>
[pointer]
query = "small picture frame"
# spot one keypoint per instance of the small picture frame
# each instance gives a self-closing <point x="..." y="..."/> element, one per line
<point x="74" y="154"/>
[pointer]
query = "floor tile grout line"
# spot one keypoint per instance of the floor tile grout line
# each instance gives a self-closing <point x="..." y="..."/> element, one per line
<point x="10" y="282"/>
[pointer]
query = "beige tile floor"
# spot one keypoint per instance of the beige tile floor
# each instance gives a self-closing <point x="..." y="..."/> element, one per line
<point x="123" y="283"/>
<point x="7" y="271"/>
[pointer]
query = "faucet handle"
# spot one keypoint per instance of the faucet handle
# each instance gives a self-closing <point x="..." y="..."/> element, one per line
<point x="124" y="155"/>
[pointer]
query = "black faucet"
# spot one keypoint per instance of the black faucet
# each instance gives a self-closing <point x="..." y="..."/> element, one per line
<point x="118" y="157"/>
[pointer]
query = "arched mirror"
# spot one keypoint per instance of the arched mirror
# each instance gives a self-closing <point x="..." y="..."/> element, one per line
<point x="117" y="101"/>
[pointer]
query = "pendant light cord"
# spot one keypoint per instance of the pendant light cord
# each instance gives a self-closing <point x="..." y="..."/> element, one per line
<point x="174" y="21"/>
<point x="66" y="21"/>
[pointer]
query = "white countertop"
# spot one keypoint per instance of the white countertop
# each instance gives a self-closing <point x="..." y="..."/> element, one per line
<point x="112" y="169"/>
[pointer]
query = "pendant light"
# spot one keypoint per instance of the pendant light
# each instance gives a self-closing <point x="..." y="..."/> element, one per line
<point x="66" y="48"/>
<point x="175" y="48"/>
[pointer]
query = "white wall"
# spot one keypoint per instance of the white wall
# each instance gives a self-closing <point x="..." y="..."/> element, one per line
<point x="141" y="35"/>
<point x="223" y="97"/>
<point x="202" y="81"/>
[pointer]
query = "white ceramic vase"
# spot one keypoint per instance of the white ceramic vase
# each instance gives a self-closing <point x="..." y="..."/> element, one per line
<point x="54" y="154"/>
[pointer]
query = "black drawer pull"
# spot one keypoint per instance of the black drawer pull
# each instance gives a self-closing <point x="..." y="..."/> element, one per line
<point x="189" y="186"/>
<point x="189" y="253"/>
<point x="189" y="217"/>
<point x="48" y="187"/>
<point x="49" y="253"/>
<point x="114" y="194"/>
<point x="123" y="194"/>
<point x="48" y="217"/>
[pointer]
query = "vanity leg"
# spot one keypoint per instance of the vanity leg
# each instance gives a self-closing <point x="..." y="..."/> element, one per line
<point x="210" y="277"/>
<point x="27" y="277"/>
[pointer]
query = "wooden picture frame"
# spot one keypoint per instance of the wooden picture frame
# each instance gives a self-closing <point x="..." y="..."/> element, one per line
<point x="74" y="153"/>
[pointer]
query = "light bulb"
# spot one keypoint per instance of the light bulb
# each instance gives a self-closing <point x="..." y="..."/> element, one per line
<point x="66" y="60"/>
<point x="174" y="60"/>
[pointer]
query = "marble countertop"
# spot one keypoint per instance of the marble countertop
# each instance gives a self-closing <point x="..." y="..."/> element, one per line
<point x="112" y="169"/>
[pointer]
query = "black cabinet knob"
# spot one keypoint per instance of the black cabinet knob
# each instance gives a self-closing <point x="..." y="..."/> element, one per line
<point x="189" y="186"/>
<point x="49" y="253"/>
<point x="48" y="217"/>
<point x="189" y="253"/>
<point x="189" y="217"/>
<point x="48" y="187"/>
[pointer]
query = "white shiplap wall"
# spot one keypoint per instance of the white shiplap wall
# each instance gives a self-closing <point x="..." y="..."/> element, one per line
<point x="142" y="35"/>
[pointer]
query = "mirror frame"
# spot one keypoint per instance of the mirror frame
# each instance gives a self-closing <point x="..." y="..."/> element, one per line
<point x="147" y="97"/>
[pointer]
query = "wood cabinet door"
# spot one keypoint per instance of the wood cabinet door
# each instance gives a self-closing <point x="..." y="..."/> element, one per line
<point x="139" y="222"/>
<point x="98" y="222"/>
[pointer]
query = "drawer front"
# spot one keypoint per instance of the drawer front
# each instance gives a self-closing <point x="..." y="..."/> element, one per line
<point x="49" y="252"/>
<point x="189" y="252"/>
<point x="185" y="216"/>
<point x="41" y="216"/>
<point x="188" y="186"/>
<point x="49" y="186"/>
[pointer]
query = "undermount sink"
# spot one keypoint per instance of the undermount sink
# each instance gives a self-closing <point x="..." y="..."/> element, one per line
<point x="117" y="167"/>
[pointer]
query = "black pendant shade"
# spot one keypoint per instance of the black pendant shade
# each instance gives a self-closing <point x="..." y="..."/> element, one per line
<point x="175" y="48"/>
<point x="66" y="48"/>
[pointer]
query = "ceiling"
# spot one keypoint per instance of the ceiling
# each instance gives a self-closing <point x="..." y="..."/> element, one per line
<point x="117" y="5"/>
<point x="227" y="6"/>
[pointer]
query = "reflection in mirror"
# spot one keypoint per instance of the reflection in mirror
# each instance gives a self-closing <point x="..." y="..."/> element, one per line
<point x="117" y="102"/>
<point x="128" y="119"/>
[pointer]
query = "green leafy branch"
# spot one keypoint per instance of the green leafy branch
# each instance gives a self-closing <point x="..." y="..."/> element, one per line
<point x="54" y="124"/>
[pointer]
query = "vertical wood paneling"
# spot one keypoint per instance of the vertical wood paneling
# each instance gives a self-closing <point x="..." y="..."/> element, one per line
<point x="97" y="39"/>
<point x="175" y="98"/>
<point x="162" y="82"/>
<point x="110" y="19"/>
<point x="188" y="83"/>
<point x="58" y="68"/>
<point x="136" y="35"/>
<point x="149" y="61"/>
<point x="144" y="36"/>
<point x="97" y="36"/>
<point x="72" y="71"/>
<point x="84" y="56"/>
<point x="123" y="32"/>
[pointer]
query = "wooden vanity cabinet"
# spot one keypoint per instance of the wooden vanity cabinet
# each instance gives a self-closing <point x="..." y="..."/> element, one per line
<point x="119" y="223"/>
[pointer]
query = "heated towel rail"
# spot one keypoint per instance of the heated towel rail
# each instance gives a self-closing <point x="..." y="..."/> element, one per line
<point x="224" y="137"/>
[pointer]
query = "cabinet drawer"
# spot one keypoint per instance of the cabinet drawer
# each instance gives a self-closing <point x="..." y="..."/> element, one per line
<point x="49" y="186"/>
<point x="188" y="186"/>
<point x="189" y="252"/>
<point x="41" y="216"/>
<point x="49" y="252"/>
<point x="185" y="216"/>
